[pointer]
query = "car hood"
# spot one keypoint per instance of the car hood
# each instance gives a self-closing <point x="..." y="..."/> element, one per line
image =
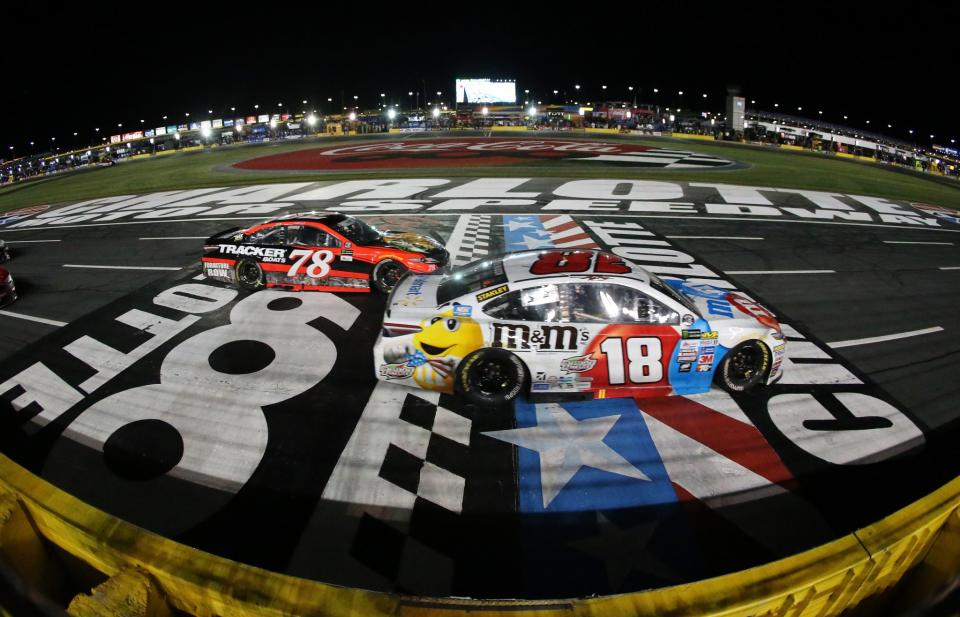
<point x="411" y="241"/>
<point x="725" y="309"/>
<point x="414" y="298"/>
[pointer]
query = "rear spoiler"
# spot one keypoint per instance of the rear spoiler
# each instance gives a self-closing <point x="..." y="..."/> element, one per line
<point x="223" y="235"/>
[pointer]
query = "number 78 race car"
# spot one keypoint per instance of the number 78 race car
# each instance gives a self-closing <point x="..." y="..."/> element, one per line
<point x="319" y="251"/>
<point x="572" y="322"/>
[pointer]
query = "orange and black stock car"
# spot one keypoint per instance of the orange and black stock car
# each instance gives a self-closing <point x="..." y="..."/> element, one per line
<point x="319" y="251"/>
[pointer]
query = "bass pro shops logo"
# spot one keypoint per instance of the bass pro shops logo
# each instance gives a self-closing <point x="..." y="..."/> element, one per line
<point x="540" y="338"/>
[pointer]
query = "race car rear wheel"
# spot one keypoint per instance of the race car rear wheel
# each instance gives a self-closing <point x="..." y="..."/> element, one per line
<point x="250" y="275"/>
<point x="744" y="368"/>
<point x="491" y="377"/>
<point x="387" y="274"/>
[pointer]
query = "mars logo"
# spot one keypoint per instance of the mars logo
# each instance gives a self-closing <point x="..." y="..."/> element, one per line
<point x="477" y="152"/>
<point x="541" y="338"/>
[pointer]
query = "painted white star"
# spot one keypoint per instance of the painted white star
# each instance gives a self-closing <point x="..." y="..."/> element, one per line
<point x="534" y="243"/>
<point x="515" y="224"/>
<point x="566" y="444"/>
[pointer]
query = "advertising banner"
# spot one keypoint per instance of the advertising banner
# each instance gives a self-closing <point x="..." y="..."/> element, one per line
<point x="160" y="130"/>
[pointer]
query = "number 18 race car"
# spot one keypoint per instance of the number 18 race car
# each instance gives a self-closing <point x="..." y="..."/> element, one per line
<point x="319" y="251"/>
<point x="574" y="322"/>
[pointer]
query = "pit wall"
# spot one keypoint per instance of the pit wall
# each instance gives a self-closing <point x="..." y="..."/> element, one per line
<point x="150" y="575"/>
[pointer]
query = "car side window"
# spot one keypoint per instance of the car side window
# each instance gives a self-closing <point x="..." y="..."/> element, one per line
<point x="541" y="303"/>
<point x="314" y="236"/>
<point x="271" y="235"/>
<point x="610" y="303"/>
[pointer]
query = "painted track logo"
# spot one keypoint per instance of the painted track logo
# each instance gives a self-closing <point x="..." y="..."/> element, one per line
<point x="476" y="152"/>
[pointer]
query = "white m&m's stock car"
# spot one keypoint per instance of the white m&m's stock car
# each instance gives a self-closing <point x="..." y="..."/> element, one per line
<point x="573" y="322"/>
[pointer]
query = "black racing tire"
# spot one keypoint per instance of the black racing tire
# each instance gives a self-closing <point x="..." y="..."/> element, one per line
<point x="490" y="377"/>
<point x="250" y="275"/>
<point x="744" y="368"/>
<point x="386" y="274"/>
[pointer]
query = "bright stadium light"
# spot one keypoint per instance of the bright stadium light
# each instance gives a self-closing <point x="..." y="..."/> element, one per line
<point x="672" y="118"/>
<point x="304" y="101"/>
<point x="484" y="111"/>
<point x="391" y="113"/>
<point x="680" y="92"/>
<point x="175" y="136"/>
<point x="257" y="106"/>
<point x="353" y="116"/>
<point x="656" y="90"/>
<point x="205" y="131"/>
<point x="532" y="111"/>
<point x="239" y="128"/>
<point x="436" y="112"/>
<point x="273" y="124"/>
<point x="312" y="120"/>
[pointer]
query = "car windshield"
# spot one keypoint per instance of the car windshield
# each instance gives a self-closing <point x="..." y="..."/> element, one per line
<point x="471" y="277"/>
<point x="670" y="292"/>
<point x="357" y="231"/>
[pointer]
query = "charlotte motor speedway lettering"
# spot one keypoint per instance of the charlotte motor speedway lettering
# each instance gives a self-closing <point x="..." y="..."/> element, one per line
<point x="496" y="195"/>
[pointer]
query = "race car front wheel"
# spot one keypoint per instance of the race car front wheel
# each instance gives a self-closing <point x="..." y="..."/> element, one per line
<point x="387" y="274"/>
<point x="744" y="368"/>
<point x="489" y="377"/>
<point x="250" y="275"/>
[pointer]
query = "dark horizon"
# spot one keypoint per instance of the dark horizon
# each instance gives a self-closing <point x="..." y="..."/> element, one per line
<point x="100" y="66"/>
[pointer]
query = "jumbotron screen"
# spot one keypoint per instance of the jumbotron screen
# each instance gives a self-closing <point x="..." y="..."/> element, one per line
<point x="486" y="91"/>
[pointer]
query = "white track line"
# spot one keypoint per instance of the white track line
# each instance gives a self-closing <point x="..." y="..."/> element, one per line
<point x="713" y="238"/>
<point x="368" y="214"/>
<point x="880" y="339"/>
<point x="780" y="271"/>
<point x="118" y="267"/>
<point x="905" y="242"/>
<point x="950" y="268"/>
<point x="30" y="241"/>
<point x="49" y="322"/>
<point x="179" y="238"/>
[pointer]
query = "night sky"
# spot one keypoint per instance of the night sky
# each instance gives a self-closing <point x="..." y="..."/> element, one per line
<point x="76" y="68"/>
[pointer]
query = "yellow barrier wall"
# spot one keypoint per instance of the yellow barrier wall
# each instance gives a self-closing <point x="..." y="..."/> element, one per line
<point x="822" y="581"/>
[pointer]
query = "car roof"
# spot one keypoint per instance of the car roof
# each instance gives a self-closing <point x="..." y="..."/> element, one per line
<point x="313" y="216"/>
<point x="517" y="267"/>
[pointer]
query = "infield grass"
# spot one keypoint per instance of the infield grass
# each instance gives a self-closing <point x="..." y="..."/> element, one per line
<point x="765" y="167"/>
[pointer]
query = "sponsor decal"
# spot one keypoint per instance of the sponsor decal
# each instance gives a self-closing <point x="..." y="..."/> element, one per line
<point x="711" y="335"/>
<point x="492" y="293"/>
<point x="539" y="338"/>
<point x="265" y="254"/>
<point x="779" y="348"/>
<point x="397" y="371"/>
<point x="685" y="367"/>
<point x="416" y="286"/>
<point x="704" y="368"/>
<point x="689" y="334"/>
<point x="578" y="364"/>
<point x="462" y="310"/>
<point x="218" y="271"/>
<point x="540" y="386"/>
<point x="688" y="320"/>
<point x="706" y="359"/>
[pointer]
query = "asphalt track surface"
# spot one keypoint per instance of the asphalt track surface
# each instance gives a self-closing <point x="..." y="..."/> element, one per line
<point x="375" y="486"/>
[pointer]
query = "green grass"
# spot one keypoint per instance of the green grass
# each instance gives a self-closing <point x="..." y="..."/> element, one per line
<point x="766" y="167"/>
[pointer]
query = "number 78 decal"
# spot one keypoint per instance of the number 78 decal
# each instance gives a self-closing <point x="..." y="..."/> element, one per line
<point x="320" y="266"/>
<point x="643" y="354"/>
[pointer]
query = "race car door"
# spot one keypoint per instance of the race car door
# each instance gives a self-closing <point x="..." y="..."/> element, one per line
<point x="634" y="341"/>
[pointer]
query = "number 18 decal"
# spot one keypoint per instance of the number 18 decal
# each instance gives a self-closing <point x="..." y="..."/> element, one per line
<point x="320" y="266"/>
<point x="643" y="354"/>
